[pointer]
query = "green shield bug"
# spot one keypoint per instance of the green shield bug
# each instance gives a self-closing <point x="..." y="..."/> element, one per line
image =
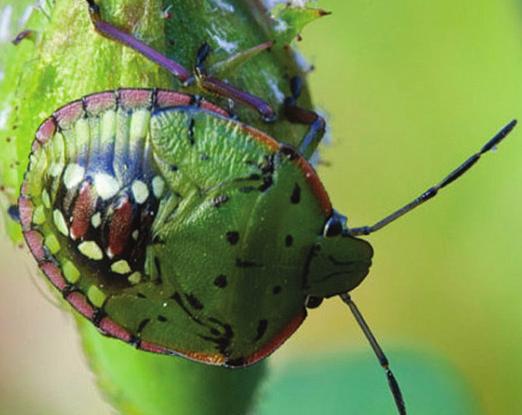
<point x="181" y="230"/>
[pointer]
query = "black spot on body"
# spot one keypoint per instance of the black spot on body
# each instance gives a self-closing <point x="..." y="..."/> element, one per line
<point x="267" y="168"/>
<point x="159" y="279"/>
<point x="141" y="295"/>
<point x="204" y="157"/>
<point x="289" y="152"/>
<point x="194" y="301"/>
<point x="233" y="237"/>
<point x="177" y="298"/>
<point x="247" y="264"/>
<point x="162" y="318"/>
<point x="296" y="195"/>
<point x="289" y="240"/>
<point x="267" y="183"/>
<point x="240" y="361"/>
<point x="154" y="99"/>
<point x="98" y="316"/>
<point x="261" y="329"/>
<point x="173" y="167"/>
<point x="68" y="289"/>
<point x="276" y="290"/>
<point x="221" y="281"/>
<point x="191" y="126"/>
<point x="222" y="339"/>
<point x="135" y="341"/>
<point x="142" y="326"/>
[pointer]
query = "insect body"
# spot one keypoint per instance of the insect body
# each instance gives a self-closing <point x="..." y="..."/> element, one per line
<point x="174" y="227"/>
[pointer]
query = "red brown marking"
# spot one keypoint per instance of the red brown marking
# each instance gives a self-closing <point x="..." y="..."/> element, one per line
<point x="69" y="114"/>
<point x="167" y="98"/>
<point x="34" y="240"/>
<point x="214" y="108"/>
<point x="83" y="210"/>
<point x="277" y="341"/>
<point x="271" y="143"/>
<point x="209" y="359"/>
<point x="316" y="185"/>
<point x="132" y="99"/>
<point x="97" y="103"/>
<point x="120" y="228"/>
<point x="54" y="274"/>
<point x="36" y="146"/>
<point x="152" y="347"/>
<point x="110" y="328"/>
<point x="46" y="130"/>
<point x="81" y="304"/>
<point x="25" y="207"/>
<point x="25" y="188"/>
<point x="308" y="171"/>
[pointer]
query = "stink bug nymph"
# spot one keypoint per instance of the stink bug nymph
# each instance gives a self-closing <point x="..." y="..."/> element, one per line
<point x="173" y="226"/>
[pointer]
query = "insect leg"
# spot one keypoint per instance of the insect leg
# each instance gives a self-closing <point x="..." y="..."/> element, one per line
<point x="205" y="81"/>
<point x="224" y="89"/>
<point x="392" y="382"/>
<point x="432" y="191"/>
<point x="25" y="34"/>
<point x="299" y="115"/>
<point x="111" y="32"/>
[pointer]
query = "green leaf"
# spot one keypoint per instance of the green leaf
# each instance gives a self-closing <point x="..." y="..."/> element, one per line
<point x="291" y="21"/>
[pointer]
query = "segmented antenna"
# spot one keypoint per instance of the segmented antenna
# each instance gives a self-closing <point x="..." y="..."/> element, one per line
<point x="392" y="381"/>
<point x="432" y="191"/>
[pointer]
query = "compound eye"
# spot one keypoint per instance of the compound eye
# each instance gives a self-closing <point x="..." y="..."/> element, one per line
<point x="335" y="225"/>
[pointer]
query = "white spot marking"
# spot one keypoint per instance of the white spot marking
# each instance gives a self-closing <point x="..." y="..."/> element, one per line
<point x="140" y="191"/>
<point x="55" y="169"/>
<point x="121" y="267"/>
<point x="96" y="220"/>
<point x="135" y="234"/>
<point x="73" y="175"/>
<point x="60" y="223"/>
<point x="135" y="277"/>
<point x="158" y="185"/>
<point x="106" y="185"/>
<point x="91" y="250"/>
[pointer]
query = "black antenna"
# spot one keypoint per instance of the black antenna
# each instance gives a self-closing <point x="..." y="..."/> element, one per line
<point x="392" y="382"/>
<point x="432" y="191"/>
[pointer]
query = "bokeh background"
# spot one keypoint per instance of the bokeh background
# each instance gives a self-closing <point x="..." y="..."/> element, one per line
<point x="411" y="88"/>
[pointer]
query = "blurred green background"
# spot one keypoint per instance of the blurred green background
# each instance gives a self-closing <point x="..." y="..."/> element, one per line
<point x="411" y="88"/>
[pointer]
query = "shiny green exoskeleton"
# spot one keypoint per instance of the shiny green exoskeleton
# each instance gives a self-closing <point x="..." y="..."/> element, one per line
<point x="174" y="227"/>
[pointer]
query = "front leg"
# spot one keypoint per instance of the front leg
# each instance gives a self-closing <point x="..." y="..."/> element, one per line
<point x="299" y="115"/>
